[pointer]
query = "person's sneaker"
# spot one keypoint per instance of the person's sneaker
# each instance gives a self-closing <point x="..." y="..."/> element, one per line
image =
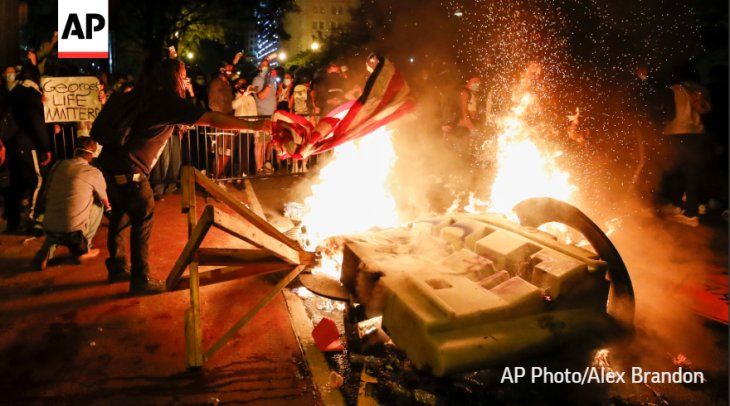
<point x="688" y="221"/>
<point x="118" y="276"/>
<point x="150" y="287"/>
<point x="40" y="260"/>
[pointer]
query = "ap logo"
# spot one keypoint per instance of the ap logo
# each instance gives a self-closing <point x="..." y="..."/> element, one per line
<point x="83" y="27"/>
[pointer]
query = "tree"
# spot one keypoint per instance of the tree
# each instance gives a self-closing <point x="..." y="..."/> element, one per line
<point x="144" y="29"/>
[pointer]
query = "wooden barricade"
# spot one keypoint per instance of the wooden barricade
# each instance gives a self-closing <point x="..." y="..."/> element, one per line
<point x="273" y="252"/>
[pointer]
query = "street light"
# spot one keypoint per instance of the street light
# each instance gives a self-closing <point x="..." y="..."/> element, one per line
<point x="282" y="56"/>
<point x="314" y="46"/>
<point x="190" y="55"/>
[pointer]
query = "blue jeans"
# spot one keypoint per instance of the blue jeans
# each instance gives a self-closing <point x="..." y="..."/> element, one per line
<point x="97" y="212"/>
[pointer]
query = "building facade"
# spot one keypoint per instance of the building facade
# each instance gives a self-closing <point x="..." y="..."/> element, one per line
<point x="314" y="21"/>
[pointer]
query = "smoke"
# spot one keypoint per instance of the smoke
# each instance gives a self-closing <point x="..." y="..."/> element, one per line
<point x="588" y="52"/>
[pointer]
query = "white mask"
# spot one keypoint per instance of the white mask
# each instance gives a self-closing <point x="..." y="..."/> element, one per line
<point x="287" y="82"/>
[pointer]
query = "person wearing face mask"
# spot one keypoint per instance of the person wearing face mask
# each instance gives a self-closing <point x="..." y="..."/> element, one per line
<point x="470" y="117"/>
<point x="9" y="76"/>
<point x="220" y="94"/>
<point x="266" y="85"/>
<point x="285" y="92"/>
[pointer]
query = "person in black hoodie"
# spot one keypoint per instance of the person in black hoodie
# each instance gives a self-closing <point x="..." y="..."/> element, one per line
<point x="162" y="106"/>
<point x="28" y="148"/>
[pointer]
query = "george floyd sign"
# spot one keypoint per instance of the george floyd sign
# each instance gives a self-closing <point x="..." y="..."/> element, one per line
<point x="70" y="99"/>
<point x="83" y="28"/>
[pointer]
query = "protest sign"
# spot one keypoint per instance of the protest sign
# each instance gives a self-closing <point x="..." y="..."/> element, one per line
<point x="70" y="99"/>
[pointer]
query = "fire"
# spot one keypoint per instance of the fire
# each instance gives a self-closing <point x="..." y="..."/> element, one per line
<point x="523" y="169"/>
<point x="350" y="196"/>
<point x="352" y="192"/>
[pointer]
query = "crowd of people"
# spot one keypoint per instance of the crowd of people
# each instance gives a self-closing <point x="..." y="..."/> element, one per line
<point x="66" y="198"/>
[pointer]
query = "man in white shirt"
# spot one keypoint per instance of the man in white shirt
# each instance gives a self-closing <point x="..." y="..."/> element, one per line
<point x="74" y="199"/>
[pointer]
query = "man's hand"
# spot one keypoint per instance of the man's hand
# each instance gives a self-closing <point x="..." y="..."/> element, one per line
<point x="32" y="57"/>
<point x="106" y="204"/>
<point x="47" y="160"/>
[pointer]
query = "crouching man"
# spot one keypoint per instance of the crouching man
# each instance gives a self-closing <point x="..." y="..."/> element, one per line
<point x="74" y="202"/>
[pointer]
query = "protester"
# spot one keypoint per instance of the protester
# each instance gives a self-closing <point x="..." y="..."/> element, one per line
<point x="73" y="199"/>
<point x="284" y="92"/>
<point x="220" y="94"/>
<point x="685" y="135"/>
<point x="165" y="175"/>
<point x="244" y="103"/>
<point x="302" y="99"/>
<point x="265" y="83"/>
<point x="161" y="106"/>
<point x="8" y="80"/>
<point x="28" y="148"/>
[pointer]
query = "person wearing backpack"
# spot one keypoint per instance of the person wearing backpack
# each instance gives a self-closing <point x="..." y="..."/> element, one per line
<point x="685" y="137"/>
<point x="135" y="129"/>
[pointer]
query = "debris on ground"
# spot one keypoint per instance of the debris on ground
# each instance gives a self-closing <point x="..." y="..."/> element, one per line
<point x="326" y="336"/>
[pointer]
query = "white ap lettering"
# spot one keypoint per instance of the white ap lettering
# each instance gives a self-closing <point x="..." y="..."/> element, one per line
<point x="509" y="376"/>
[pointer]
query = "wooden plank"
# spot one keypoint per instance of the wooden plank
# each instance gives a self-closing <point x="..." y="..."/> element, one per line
<point x="243" y="211"/>
<point x="187" y="194"/>
<point x="193" y="324"/>
<point x="196" y="238"/>
<point x="253" y="200"/>
<point x="230" y="256"/>
<point x="317" y="364"/>
<point x="251" y="313"/>
<point x="230" y="273"/>
<point x="255" y="236"/>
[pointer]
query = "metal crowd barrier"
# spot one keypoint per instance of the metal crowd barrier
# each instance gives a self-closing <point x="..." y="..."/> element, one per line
<point x="227" y="155"/>
<point x="222" y="155"/>
<point x="64" y="141"/>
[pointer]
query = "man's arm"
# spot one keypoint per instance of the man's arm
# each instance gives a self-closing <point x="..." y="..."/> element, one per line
<point x="224" y="122"/>
<point x="99" y="185"/>
<point x="264" y="93"/>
